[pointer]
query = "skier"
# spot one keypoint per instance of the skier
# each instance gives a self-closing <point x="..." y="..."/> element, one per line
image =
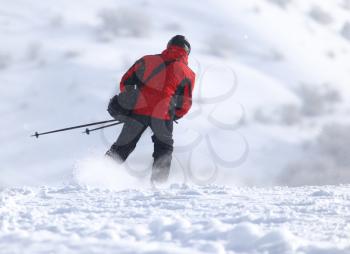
<point x="165" y="84"/>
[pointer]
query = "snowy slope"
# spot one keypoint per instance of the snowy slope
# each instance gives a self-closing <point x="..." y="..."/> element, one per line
<point x="271" y="108"/>
<point x="280" y="66"/>
<point x="180" y="219"/>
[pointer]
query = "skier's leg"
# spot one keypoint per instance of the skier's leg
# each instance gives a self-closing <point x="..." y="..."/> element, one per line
<point x="127" y="140"/>
<point x="163" y="149"/>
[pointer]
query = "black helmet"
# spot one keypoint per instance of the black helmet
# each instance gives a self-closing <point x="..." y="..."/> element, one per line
<point x="181" y="41"/>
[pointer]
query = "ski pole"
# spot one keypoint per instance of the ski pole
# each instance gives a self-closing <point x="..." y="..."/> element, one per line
<point x="87" y="131"/>
<point x="36" y="134"/>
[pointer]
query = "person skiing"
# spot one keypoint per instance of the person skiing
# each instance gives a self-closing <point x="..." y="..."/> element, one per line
<point x="164" y="83"/>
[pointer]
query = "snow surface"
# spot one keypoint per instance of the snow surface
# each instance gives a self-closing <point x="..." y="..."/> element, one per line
<point x="97" y="212"/>
<point x="178" y="219"/>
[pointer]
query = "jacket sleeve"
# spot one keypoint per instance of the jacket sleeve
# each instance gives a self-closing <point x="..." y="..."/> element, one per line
<point x="184" y="97"/>
<point x="133" y="76"/>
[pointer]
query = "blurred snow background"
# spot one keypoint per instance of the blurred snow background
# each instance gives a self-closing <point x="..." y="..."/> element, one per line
<point x="273" y="74"/>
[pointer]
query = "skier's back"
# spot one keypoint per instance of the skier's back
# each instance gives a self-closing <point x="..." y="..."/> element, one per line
<point x="165" y="84"/>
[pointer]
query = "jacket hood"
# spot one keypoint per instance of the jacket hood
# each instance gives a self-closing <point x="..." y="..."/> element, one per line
<point x="175" y="53"/>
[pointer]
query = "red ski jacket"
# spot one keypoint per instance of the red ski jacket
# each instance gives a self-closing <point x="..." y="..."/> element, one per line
<point x="165" y="82"/>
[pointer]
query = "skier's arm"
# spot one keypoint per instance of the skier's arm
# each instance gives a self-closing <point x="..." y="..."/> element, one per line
<point x="132" y="76"/>
<point x="184" y="98"/>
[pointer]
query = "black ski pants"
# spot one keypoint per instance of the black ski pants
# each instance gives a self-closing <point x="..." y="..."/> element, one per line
<point x="162" y="138"/>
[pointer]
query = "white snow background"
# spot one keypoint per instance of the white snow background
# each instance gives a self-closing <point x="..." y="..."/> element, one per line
<point x="271" y="107"/>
